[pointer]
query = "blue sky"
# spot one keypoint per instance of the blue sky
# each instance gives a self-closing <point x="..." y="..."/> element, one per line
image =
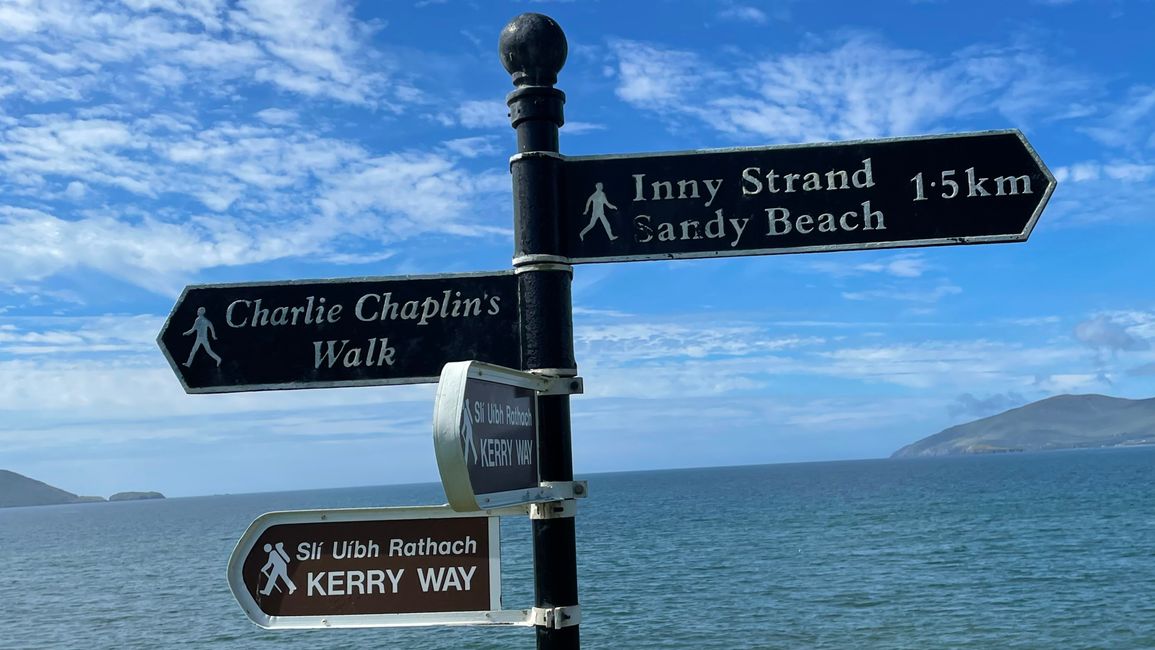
<point x="150" y="144"/>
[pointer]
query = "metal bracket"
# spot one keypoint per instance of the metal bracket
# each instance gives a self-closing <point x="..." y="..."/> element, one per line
<point x="540" y="258"/>
<point x="564" y="509"/>
<point x="563" y="386"/>
<point x="553" y="372"/>
<point x="529" y="267"/>
<point x="556" y="618"/>
<point x="518" y="157"/>
<point x="543" y="381"/>
<point x="567" y="489"/>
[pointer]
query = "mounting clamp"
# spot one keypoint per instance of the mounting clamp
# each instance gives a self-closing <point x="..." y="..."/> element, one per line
<point x="564" y="509"/>
<point x="562" y="490"/>
<point x="556" y="617"/>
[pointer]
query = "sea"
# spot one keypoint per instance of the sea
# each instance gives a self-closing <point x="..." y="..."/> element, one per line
<point x="1052" y="551"/>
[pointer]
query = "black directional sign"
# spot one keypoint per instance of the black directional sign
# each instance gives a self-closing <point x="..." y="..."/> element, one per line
<point x="351" y="332"/>
<point x="485" y="433"/>
<point x="950" y="189"/>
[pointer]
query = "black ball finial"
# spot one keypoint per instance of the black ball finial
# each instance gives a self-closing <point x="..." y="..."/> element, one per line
<point x="533" y="49"/>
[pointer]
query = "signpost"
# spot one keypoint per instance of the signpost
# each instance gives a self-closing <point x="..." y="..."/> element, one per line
<point x="371" y="567"/>
<point x="485" y="433"/>
<point x="326" y="333"/>
<point x="962" y="188"/>
<point x="502" y="436"/>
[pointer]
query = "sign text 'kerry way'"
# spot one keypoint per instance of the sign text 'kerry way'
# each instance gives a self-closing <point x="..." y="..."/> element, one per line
<point x="485" y="434"/>
<point x="922" y="191"/>
<point x="353" y="332"/>
<point x="369" y="567"/>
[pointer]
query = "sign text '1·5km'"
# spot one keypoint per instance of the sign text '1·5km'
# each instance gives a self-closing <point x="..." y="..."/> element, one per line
<point x="352" y="332"/>
<point x="921" y="191"/>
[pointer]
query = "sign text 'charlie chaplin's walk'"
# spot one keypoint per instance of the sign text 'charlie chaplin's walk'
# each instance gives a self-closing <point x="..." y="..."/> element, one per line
<point x="921" y="191"/>
<point x="353" y="332"/>
<point x="370" y="567"/>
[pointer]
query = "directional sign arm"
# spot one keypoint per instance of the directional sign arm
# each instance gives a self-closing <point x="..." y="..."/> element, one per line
<point x="937" y="190"/>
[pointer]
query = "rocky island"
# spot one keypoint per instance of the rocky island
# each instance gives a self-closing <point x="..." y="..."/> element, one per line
<point x="19" y="490"/>
<point x="135" y="496"/>
<point x="1060" y="422"/>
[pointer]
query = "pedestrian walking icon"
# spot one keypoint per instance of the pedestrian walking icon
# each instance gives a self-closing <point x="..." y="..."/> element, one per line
<point x="277" y="568"/>
<point x="598" y="202"/>
<point x="466" y="433"/>
<point x="202" y="327"/>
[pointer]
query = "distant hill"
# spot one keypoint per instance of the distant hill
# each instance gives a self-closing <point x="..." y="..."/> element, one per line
<point x="135" y="496"/>
<point x="19" y="490"/>
<point x="1062" y="422"/>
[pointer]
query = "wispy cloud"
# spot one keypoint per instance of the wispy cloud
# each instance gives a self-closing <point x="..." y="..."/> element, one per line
<point x="972" y="406"/>
<point x="902" y="265"/>
<point x="861" y="88"/>
<point x="478" y="114"/>
<point x="315" y="48"/>
<point x="141" y="150"/>
<point x="1130" y="124"/>
<point x="928" y="296"/>
<point x="744" y="14"/>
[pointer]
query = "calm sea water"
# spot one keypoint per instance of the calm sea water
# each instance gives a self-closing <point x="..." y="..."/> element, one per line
<point x="1011" y="551"/>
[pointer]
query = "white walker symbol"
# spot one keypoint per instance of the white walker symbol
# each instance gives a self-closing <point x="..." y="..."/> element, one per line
<point x="599" y="203"/>
<point x="277" y="568"/>
<point x="467" y="434"/>
<point x="202" y="327"/>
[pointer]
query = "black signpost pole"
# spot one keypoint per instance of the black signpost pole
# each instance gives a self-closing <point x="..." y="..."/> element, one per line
<point x="533" y="50"/>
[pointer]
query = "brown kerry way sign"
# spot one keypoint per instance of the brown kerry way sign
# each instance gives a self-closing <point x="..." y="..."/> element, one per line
<point x="401" y="566"/>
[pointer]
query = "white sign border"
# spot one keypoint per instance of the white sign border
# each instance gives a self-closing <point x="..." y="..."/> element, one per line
<point x="495" y="616"/>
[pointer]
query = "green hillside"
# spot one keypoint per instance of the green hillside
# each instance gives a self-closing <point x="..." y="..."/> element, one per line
<point x="1062" y="422"/>
<point x="19" y="490"/>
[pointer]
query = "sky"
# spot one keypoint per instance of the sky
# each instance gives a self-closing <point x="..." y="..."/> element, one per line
<point x="146" y="145"/>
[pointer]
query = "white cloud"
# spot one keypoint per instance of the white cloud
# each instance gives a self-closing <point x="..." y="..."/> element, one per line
<point x="1071" y="382"/>
<point x="631" y="356"/>
<point x="420" y="192"/>
<point x="75" y="190"/>
<point x="473" y="147"/>
<point x="902" y="265"/>
<point x="1127" y="172"/>
<point x="278" y="116"/>
<point x="906" y="295"/>
<point x="1115" y="333"/>
<point x="628" y="340"/>
<point x="61" y="336"/>
<point x="315" y="48"/>
<point x="476" y="114"/>
<point x="1093" y="192"/>
<point x="653" y="78"/>
<point x="1130" y="123"/>
<point x="145" y="252"/>
<point x="945" y="364"/>
<point x="744" y="14"/>
<point x="580" y="128"/>
<point x="272" y="189"/>
<point x="862" y="88"/>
